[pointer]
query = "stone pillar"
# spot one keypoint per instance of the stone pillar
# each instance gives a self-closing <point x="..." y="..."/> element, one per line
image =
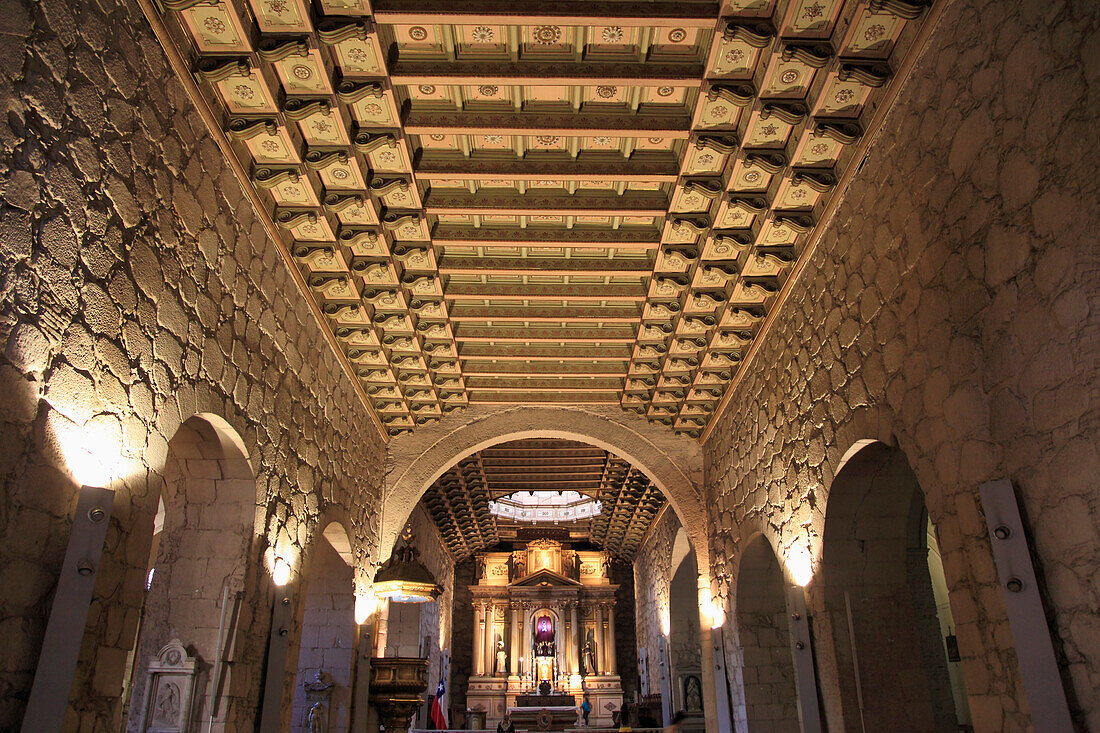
<point x="610" y="640"/>
<point x="382" y="628"/>
<point x="574" y="633"/>
<point x="513" y="659"/>
<point x="479" y="638"/>
<point x="601" y="644"/>
<point x="490" y="647"/>
<point x="563" y="640"/>
<point x="528" y="655"/>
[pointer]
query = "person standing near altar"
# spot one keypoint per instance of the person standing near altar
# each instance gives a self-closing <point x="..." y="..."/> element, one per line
<point x="506" y="725"/>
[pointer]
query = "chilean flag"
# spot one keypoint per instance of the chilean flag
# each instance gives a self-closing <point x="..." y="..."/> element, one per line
<point x="439" y="720"/>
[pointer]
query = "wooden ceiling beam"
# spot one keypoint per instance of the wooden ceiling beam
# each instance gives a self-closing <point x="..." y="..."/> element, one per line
<point x="542" y="292"/>
<point x="454" y="169"/>
<point x="560" y="318"/>
<point x="619" y="373"/>
<point x="584" y="239"/>
<point x="547" y="73"/>
<point x="496" y="339"/>
<point x="561" y="357"/>
<point x="655" y="14"/>
<point x="664" y="167"/>
<point x="557" y="353"/>
<point x="475" y="334"/>
<point x="584" y="388"/>
<point x="438" y="202"/>
<point x="557" y="398"/>
<point x="635" y="267"/>
<point x="615" y="125"/>
<point x="466" y="312"/>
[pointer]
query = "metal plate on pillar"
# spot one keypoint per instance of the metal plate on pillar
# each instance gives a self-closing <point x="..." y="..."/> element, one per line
<point x="1046" y="697"/>
<point x="809" y="712"/>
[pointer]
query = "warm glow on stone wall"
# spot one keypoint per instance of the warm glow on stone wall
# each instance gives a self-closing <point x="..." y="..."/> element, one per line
<point x="93" y="451"/>
<point x="713" y="612"/>
<point x="280" y="559"/>
<point x="366" y="603"/>
<point x="799" y="562"/>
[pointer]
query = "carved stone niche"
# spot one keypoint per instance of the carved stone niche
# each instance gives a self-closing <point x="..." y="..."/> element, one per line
<point x="169" y="689"/>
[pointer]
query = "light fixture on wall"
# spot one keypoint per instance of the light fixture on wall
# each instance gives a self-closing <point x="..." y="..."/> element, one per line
<point x="403" y="579"/>
<point x="280" y="574"/>
<point x="366" y="603"/>
<point x="800" y="563"/>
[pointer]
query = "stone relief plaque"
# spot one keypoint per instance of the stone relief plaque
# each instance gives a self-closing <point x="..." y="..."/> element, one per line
<point x="169" y="688"/>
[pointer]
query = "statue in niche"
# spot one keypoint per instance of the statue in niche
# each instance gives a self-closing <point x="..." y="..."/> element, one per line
<point x="693" y="694"/>
<point x="316" y="717"/>
<point x="502" y="657"/>
<point x="567" y="564"/>
<point x="588" y="655"/>
<point x="479" y="567"/>
<point x="520" y="565"/>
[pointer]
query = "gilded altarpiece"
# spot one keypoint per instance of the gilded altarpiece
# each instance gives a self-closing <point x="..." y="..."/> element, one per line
<point x="544" y="632"/>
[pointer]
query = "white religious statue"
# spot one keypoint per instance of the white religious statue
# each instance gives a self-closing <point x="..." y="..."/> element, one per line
<point x="502" y="658"/>
<point x="316" y="717"/>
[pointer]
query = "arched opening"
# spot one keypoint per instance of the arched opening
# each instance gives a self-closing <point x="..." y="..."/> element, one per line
<point x="518" y="516"/>
<point x="771" y="701"/>
<point x="892" y="664"/>
<point x="322" y="690"/>
<point x="200" y="581"/>
<point x="684" y="642"/>
<point x="669" y="465"/>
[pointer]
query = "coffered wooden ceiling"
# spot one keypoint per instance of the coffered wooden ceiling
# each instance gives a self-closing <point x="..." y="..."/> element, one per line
<point x="458" y="501"/>
<point x="551" y="201"/>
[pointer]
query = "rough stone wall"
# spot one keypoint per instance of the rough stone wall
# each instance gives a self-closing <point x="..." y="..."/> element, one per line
<point x="652" y="577"/>
<point x="952" y="310"/>
<point x="138" y="289"/>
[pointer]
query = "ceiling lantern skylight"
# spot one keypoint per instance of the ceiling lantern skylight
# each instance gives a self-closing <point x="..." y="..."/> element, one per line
<point x="545" y="506"/>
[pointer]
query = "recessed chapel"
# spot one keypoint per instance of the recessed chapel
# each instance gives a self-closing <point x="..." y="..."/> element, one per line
<point x="557" y="365"/>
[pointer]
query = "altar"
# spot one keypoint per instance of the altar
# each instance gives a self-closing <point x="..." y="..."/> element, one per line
<point x="544" y="636"/>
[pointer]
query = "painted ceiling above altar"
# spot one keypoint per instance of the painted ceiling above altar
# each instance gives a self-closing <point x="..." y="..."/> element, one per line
<point x="458" y="501"/>
<point x="544" y="202"/>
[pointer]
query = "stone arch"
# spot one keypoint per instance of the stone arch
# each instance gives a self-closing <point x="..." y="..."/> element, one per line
<point x="875" y="599"/>
<point x="326" y="624"/>
<point x="673" y="463"/>
<point x="204" y="570"/>
<point x="685" y="642"/>
<point x="767" y="668"/>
